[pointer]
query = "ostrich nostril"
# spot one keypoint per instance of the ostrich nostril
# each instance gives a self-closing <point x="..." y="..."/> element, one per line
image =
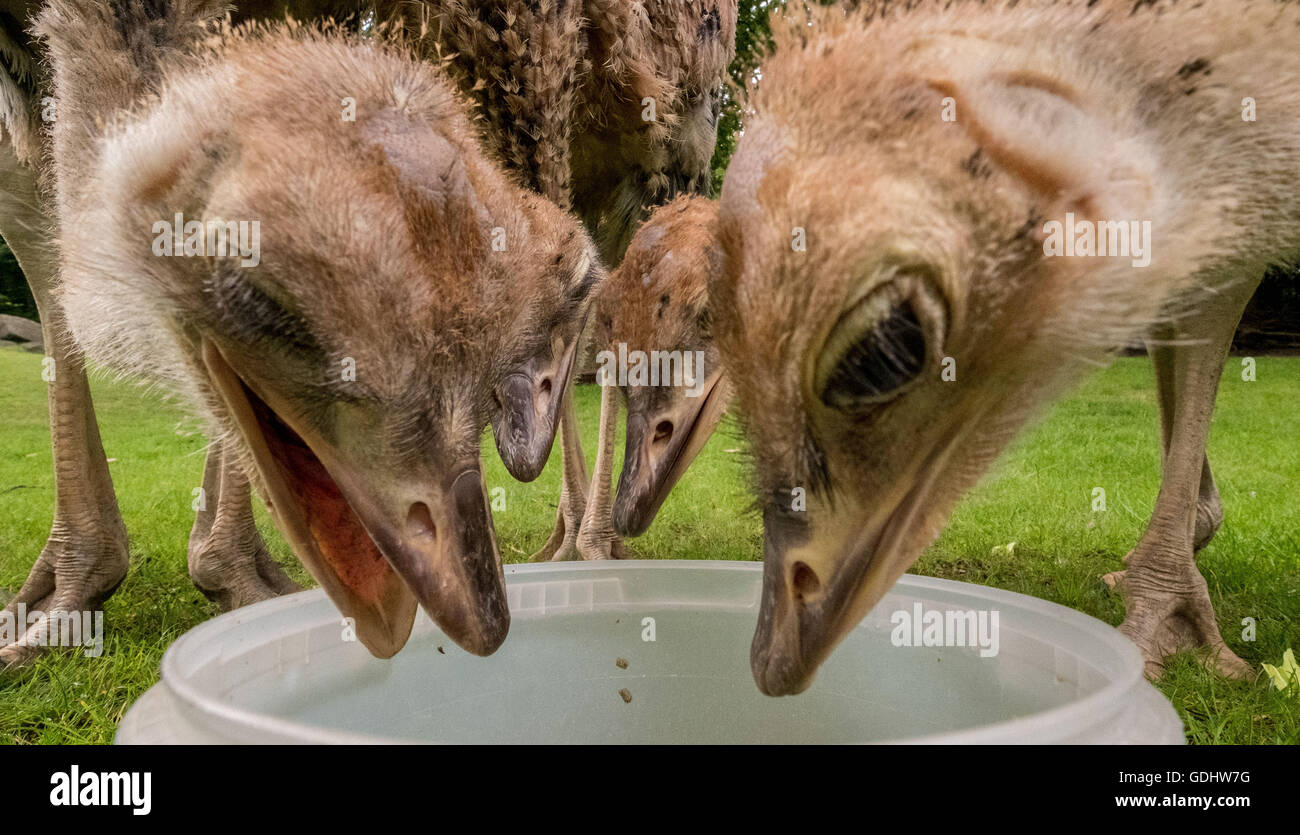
<point x="663" y="433"/>
<point x="804" y="583"/>
<point x="419" y="522"/>
<point x="543" y="398"/>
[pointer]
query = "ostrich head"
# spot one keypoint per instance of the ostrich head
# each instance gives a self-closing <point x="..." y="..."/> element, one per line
<point x="654" y="307"/>
<point x="887" y="312"/>
<point x="358" y="348"/>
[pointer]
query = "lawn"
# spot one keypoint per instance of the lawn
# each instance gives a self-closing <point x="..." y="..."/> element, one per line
<point x="1039" y="496"/>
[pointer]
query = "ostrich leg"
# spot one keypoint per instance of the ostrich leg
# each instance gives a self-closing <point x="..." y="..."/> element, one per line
<point x="228" y="560"/>
<point x="1168" y="601"/>
<point x="597" y="539"/>
<point x="85" y="557"/>
<point x="562" y="544"/>
<point x="1209" y="509"/>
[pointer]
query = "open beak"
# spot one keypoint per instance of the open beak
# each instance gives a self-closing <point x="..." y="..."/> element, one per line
<point x="659" y="450"/>
<point x="529" y="397"/>
<point x="376" y="544"/>
<point x="821" y="578"/>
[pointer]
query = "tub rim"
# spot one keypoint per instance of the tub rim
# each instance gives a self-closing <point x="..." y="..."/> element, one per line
<point x="220" y="717"/>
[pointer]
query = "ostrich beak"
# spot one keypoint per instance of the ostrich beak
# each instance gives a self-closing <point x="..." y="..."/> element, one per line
<point x="530" y="397"/>
<point x="376" y="543"/>
<point x="439" y="539"/>
<point x="815" y="589"/>
<point x="822" y="574"/>
<point x="660" y="448"/>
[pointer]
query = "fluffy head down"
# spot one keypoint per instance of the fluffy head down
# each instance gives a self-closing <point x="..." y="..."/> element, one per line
<point x="657" y="298"/>
<point x="379" y="241"/>
<point x="396" y="275"/>
<point x="888" y="313"/>
<point x="653" y="311"/>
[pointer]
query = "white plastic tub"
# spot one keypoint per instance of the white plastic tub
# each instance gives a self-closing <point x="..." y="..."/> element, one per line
<point x="278" y="672"/>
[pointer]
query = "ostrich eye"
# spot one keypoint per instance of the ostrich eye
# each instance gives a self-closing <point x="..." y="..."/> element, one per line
<point x="586" y="275"/>
<point x="883" y="360"/>
<point x="878" y="347"/>
<point x="251" y="315"/>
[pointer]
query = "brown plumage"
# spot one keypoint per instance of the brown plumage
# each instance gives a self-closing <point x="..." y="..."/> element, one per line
<point x="87" y="552"/>
<point x="561" y="87"/>
<point x="656" y="303"/>
<point x="675" y="54"/>
<point x="518" y="61"/>
<point x="925" y="242"/>
<point x="377" y="256"/>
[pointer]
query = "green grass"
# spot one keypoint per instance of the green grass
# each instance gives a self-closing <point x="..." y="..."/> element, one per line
<point x="1039" y="496"/>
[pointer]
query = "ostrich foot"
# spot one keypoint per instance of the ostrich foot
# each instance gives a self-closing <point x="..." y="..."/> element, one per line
<point x="228" y="561"/>
<point x="597" y="544"/>
<point x="76" y="572"/>
<point x="235" y="569"/>
<point x="563" y="542"/>
<point x="572" y="539"/>
<point x="1165" y="618"/>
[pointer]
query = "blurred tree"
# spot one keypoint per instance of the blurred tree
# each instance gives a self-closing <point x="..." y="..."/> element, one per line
<point x="15" y="298"/>
<point x="1272" y="319"/>
<point x="753" y="36"/>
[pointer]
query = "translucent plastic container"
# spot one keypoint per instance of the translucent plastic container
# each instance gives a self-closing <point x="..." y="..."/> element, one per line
<point x="577" y="667"/>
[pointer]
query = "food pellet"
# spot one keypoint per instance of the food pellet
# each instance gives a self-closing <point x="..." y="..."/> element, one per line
<point x="626" y="694"/>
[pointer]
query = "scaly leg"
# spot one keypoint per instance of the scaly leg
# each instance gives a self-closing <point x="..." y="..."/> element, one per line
<point x="228" y="560"/>
<point x="562" y="544"/>
<point x="1168" y="601"/>
<point x="1209" y="509"/>
<point x="85" y="558"/>
<point x="597" y="539"/>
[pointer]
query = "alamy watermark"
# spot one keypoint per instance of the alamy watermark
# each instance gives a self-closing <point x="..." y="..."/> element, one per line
<point x="60" y="628"/>
<point x="218" y="238"/>
<point x="1086" y="238"/>
<point x="74" y="787"/>
<point x="684" y="369"/>
<point x="920" y="627"/>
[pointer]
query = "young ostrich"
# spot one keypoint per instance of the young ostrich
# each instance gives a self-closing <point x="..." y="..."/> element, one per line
<point x="378" y="259"/>
<point x="675" y="55"/>
<point x="655" y="303"/>
<point x="529" y="108"/>
<point x="562" y="89"/>
<point x="85" y="557"/>
<point x="929" y="250"/>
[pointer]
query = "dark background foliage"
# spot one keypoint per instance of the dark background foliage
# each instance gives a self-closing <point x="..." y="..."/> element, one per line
<point x="15" y="298"/>
<point x="1271" y="322"/>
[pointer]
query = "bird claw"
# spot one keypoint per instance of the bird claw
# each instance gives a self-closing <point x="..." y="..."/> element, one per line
<point x="1165" y="622"/>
